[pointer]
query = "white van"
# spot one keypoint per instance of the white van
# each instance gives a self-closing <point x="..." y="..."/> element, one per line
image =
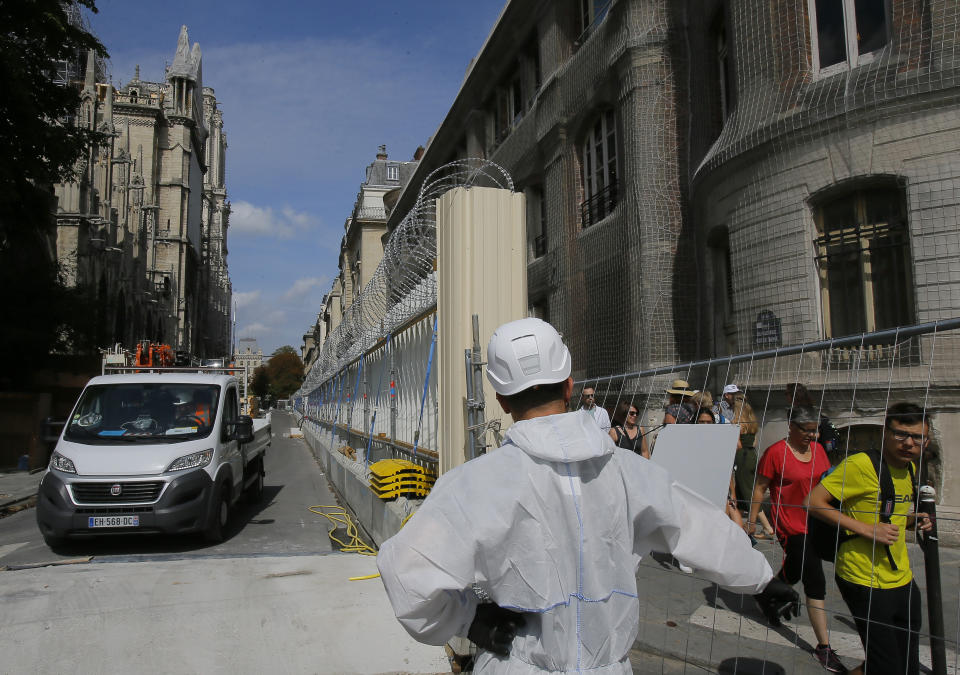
<point x="152" y="452"/>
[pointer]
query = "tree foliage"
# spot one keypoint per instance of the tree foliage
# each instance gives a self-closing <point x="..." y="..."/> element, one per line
<point x="285" y="370"/>
<point x="41" y="146"/>
<point x="260" y="382"/>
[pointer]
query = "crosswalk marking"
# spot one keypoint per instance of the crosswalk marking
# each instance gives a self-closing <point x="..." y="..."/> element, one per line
<point x="6" y="549"/>
<point x="847" y="645"/>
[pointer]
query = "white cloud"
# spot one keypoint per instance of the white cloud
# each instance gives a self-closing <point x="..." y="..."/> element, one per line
<point x="253" y="330"/>
<point x="246" y="299"/>
<point x="247" y="218"/>
<point x="303" y="286"/>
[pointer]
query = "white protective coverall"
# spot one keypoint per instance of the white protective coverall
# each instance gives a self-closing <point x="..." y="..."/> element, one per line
<point x="554" y="524"/>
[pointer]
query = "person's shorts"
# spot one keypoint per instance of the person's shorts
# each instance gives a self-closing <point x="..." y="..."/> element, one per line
<point x="801" y="563"/>
<point x="889" y="622"/>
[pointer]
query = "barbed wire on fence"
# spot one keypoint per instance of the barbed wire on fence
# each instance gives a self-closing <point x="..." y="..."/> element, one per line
<point x="404" y="284"/>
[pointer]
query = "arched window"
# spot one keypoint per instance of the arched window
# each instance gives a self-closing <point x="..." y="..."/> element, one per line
<point x="599" y="169"/>
<point x="863" y="255"/>
<point x="718" y="241"/>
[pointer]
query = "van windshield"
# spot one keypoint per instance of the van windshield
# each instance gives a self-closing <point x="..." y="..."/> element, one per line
<point x="144" y="412"/>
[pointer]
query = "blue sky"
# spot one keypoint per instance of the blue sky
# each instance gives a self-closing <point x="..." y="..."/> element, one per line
<point x="308" y="90"/>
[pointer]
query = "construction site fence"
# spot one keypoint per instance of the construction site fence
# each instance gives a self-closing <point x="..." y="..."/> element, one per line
<point x="365" y="448"/>
<point x="383" y="404"/>
<point x="852" y="380"/>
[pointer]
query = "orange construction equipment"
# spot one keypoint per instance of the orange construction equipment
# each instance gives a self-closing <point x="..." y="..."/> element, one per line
<point x="152" y="355"/>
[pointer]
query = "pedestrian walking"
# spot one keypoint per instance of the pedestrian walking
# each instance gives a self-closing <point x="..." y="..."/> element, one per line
<point x="549" y="530"/>
<point x="872" y="566"/>
<point x="789" y="469"/>
<point x="798" y="396"/>
<point x="745" y="462"/>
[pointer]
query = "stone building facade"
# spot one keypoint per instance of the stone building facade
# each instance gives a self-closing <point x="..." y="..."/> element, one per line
<point x="144" y="228"/>
<point x="644" y="134"/>
<point x="715" y="177"/>
<point x="248" y="355"/>
<point x="361" y="248"/>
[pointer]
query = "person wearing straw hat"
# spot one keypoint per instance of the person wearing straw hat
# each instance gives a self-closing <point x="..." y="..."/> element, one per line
<point x="532" y="550"/>
<point x="679" y="409"/>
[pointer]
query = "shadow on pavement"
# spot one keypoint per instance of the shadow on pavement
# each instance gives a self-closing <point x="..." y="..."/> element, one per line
<point x="749" y="666"/>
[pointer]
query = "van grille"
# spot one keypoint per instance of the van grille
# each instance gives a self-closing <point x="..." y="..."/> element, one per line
<point x="111" y="510"/>
<point x="99" y="493"/>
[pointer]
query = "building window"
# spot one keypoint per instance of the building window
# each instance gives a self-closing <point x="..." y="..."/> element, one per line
<point x="863" y="255"/>
<point x="536" y="223"/>
<point x="592" y="12"/>
<point x="507" y="110"/>
<point x="599" y="169"/>
<point x="725" y="333"/>
<point x="847" y="33"/>
<point x="724" y="72"/>
<point x="533" y="63"/>
<point x="393" y="172"/>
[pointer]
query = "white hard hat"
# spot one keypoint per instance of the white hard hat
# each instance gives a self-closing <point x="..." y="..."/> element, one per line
<point x="524" y="353"/>
<point x="731" y="389"/>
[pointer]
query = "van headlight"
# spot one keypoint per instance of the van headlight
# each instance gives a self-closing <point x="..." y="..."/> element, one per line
<point x="61" y="463"/>
<point x="192" y="461"/>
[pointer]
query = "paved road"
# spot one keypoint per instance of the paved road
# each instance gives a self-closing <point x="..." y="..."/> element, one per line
<point x="274" y="597"/>
<point x="281" y="524"/>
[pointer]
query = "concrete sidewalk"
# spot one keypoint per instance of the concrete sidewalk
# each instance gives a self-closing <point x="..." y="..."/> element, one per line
<point x="685" y="618"/>
<point x="289" y="614"/>
<point x="18" y="488"/>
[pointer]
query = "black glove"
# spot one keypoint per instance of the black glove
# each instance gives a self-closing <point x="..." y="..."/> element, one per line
<point x="778" y="600"/>
<point x="494" y="628"/>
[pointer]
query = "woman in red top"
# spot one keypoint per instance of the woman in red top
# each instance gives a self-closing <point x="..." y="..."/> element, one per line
<point x="790" y="469"/>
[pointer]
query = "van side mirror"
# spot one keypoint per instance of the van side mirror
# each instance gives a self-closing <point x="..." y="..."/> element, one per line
<point x="242" y="429"/>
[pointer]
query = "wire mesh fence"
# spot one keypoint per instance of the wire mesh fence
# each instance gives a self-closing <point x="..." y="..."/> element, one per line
<point x="848" y="398"/>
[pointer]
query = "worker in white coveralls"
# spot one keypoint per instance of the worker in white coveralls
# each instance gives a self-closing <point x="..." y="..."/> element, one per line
<point x="549" y="531"/>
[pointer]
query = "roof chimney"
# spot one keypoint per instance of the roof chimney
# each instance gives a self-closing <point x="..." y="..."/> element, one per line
<point x="382" y="152"/>
<point x="418" y="153"/>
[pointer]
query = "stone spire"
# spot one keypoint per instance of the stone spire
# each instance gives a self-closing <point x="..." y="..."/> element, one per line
<point x="90" y="77"/>
<point x="108" y="104"/>
<point x="186" y="62"/>
<point x="195" y="63"/>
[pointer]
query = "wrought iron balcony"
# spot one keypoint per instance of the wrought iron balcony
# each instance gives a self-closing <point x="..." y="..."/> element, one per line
<point x="599" y="206"/>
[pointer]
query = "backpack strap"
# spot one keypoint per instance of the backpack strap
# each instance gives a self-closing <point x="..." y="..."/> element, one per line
<point x="887" y="493"/>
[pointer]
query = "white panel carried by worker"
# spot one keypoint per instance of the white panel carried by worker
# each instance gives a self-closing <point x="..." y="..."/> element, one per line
<point x="549" y="530"/>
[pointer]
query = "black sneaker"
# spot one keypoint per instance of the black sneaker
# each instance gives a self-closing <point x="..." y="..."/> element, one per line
<point x="829" y="659"/>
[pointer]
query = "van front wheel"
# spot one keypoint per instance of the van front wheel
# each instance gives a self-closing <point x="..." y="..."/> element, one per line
<point x="216" y="529"/>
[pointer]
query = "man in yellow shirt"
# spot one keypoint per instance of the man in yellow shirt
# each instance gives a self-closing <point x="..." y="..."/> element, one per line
<point x="872" y="568"/>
